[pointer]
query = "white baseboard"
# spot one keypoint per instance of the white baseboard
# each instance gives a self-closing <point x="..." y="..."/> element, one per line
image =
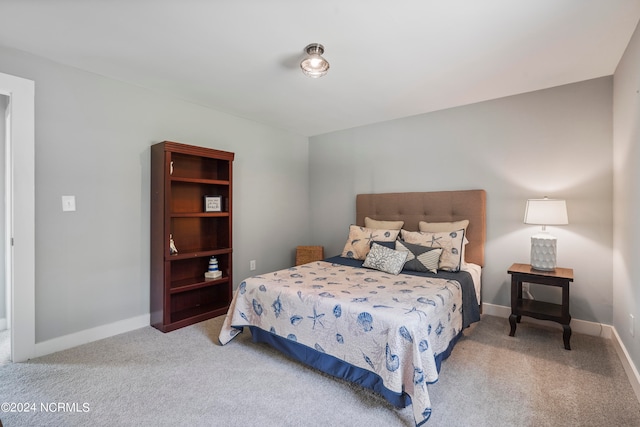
<point x="90" y="335"/>
<point x="582" y="327"/>
<point x="627" y="363"/>
<point x="3" y="324"/>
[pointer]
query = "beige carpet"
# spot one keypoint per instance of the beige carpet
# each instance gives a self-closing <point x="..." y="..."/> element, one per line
<point x="185" y="378"/>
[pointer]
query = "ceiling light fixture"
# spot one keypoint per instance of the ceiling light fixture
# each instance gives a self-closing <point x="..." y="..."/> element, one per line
<point x="314" y="65"/>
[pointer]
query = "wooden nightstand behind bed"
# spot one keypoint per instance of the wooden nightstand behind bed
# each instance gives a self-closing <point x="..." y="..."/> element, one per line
<point x="305" y="254"/>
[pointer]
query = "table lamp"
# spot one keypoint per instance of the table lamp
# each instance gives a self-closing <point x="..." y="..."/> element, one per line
<point x="543" y="245"/>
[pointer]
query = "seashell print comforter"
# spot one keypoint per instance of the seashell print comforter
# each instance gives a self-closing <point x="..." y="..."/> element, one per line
<point x="398" y="327"/>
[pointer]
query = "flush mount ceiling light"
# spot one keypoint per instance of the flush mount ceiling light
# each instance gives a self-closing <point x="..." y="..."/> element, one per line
<point x="314" y="65"/>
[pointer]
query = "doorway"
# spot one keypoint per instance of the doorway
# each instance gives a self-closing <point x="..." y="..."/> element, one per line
<point x="5" y="295"/>
<point x="19" y="212"/>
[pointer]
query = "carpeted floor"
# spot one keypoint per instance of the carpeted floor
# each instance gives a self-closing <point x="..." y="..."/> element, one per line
<point x="185" y="378"/>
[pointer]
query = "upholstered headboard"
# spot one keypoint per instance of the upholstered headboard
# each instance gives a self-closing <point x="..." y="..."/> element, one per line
<point x="437" y="206"/>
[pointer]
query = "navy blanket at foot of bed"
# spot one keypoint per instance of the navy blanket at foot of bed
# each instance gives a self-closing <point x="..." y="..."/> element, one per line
<point x="339" y="368"/>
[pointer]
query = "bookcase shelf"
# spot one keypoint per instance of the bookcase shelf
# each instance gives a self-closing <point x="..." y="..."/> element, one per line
<point x="181" y="176"/>
<point x="190" y="284"/>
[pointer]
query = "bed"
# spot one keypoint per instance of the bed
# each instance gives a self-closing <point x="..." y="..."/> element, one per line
<point x="389" y="309"/>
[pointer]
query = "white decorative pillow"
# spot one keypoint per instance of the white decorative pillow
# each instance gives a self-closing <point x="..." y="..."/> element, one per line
<point x="450" y="242"/>
<point x="420" y="258"/>
<point x="360" y="239"/>
<point x="384" y="225"/>
<point x="385" y="259"/>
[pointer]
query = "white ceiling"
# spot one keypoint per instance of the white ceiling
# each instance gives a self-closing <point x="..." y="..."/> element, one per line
<point x="389" y="58"/>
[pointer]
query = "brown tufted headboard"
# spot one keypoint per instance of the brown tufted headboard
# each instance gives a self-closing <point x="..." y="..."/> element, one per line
<point x="436" y="206"/>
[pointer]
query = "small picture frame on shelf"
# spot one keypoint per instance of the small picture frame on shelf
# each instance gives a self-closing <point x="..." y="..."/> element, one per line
<point x="213" y="203"/>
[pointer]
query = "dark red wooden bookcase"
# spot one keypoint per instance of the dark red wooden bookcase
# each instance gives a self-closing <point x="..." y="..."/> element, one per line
<point x="181" y="176"/>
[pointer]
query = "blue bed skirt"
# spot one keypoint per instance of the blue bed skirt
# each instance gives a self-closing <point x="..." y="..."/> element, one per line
<point x="339" y="368"/>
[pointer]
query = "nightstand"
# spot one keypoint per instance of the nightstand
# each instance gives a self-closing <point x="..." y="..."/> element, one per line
<point x="542" y="310"/>
<point x="305" y="254"/>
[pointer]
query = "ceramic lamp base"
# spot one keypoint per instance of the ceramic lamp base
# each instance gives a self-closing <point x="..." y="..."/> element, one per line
<point x="543" y="252"/>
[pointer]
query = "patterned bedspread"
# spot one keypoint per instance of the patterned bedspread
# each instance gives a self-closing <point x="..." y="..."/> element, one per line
<point x="394" y="326"/>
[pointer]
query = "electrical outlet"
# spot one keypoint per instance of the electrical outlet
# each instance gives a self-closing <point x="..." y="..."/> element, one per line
<point x="68" y="203"/>
<point x="632" y="324"/>
<point x="252" y="264"/>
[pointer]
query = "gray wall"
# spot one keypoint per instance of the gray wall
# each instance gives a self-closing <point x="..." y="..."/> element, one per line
<point x="626" y="271"/>
<point x="92" y="141"/>
<point x="555" y="142"/>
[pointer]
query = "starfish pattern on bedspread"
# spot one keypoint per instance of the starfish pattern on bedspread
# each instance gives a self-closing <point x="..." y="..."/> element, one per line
<point x="394" y="326"/>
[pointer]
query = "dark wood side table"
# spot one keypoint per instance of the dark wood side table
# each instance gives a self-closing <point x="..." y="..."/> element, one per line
<point x="542" y="310"/>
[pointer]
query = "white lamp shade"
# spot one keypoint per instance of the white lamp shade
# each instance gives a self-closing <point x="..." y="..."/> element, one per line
<point x="546" y="212"/>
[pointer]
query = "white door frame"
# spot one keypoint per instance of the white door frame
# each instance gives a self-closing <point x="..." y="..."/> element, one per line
<point x="20" y="175"/>
<point x="6" y="243"/>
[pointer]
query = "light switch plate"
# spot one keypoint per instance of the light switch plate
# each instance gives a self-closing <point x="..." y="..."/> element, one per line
<point x="68" y="203"/>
